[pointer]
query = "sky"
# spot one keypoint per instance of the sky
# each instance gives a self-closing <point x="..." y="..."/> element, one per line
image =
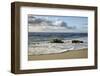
<point x="44" y="23"/>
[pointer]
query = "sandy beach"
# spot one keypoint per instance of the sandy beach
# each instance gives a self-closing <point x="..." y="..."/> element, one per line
<point x="71" y="54"/>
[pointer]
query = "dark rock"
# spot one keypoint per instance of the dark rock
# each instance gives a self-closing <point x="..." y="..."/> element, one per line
<point x="56" y="41"/>
<point x="77" y="41"/>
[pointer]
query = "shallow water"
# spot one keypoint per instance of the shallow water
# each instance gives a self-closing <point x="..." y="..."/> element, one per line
<point x="43" y="46"/>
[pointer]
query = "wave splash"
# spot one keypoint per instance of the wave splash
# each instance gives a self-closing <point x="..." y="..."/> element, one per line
<point x="45" y="47"/>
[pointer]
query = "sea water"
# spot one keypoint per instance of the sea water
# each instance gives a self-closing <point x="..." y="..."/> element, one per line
<point x="39" y="42"/>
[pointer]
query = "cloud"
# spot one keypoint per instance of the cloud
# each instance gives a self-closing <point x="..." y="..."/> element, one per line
<point x="63" y="24"/>
<point x="44" y="24"/>
<point x="34" y="20"/>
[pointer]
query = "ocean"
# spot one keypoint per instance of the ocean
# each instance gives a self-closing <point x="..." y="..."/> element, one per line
<point x="39" y="42"/>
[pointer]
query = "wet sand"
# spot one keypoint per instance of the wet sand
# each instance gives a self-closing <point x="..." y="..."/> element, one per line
<point x="71" y="54"/>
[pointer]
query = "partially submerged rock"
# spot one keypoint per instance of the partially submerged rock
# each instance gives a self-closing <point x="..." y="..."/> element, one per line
<point x="77" y="41"/>
<point x="56" y="41"/>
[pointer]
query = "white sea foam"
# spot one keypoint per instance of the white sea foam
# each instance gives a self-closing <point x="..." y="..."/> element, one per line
<point x="46" y="47"/>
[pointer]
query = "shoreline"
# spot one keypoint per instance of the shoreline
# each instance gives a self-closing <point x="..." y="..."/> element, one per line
<point x="42" y="48"/>
<point x="70" y="54"/>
